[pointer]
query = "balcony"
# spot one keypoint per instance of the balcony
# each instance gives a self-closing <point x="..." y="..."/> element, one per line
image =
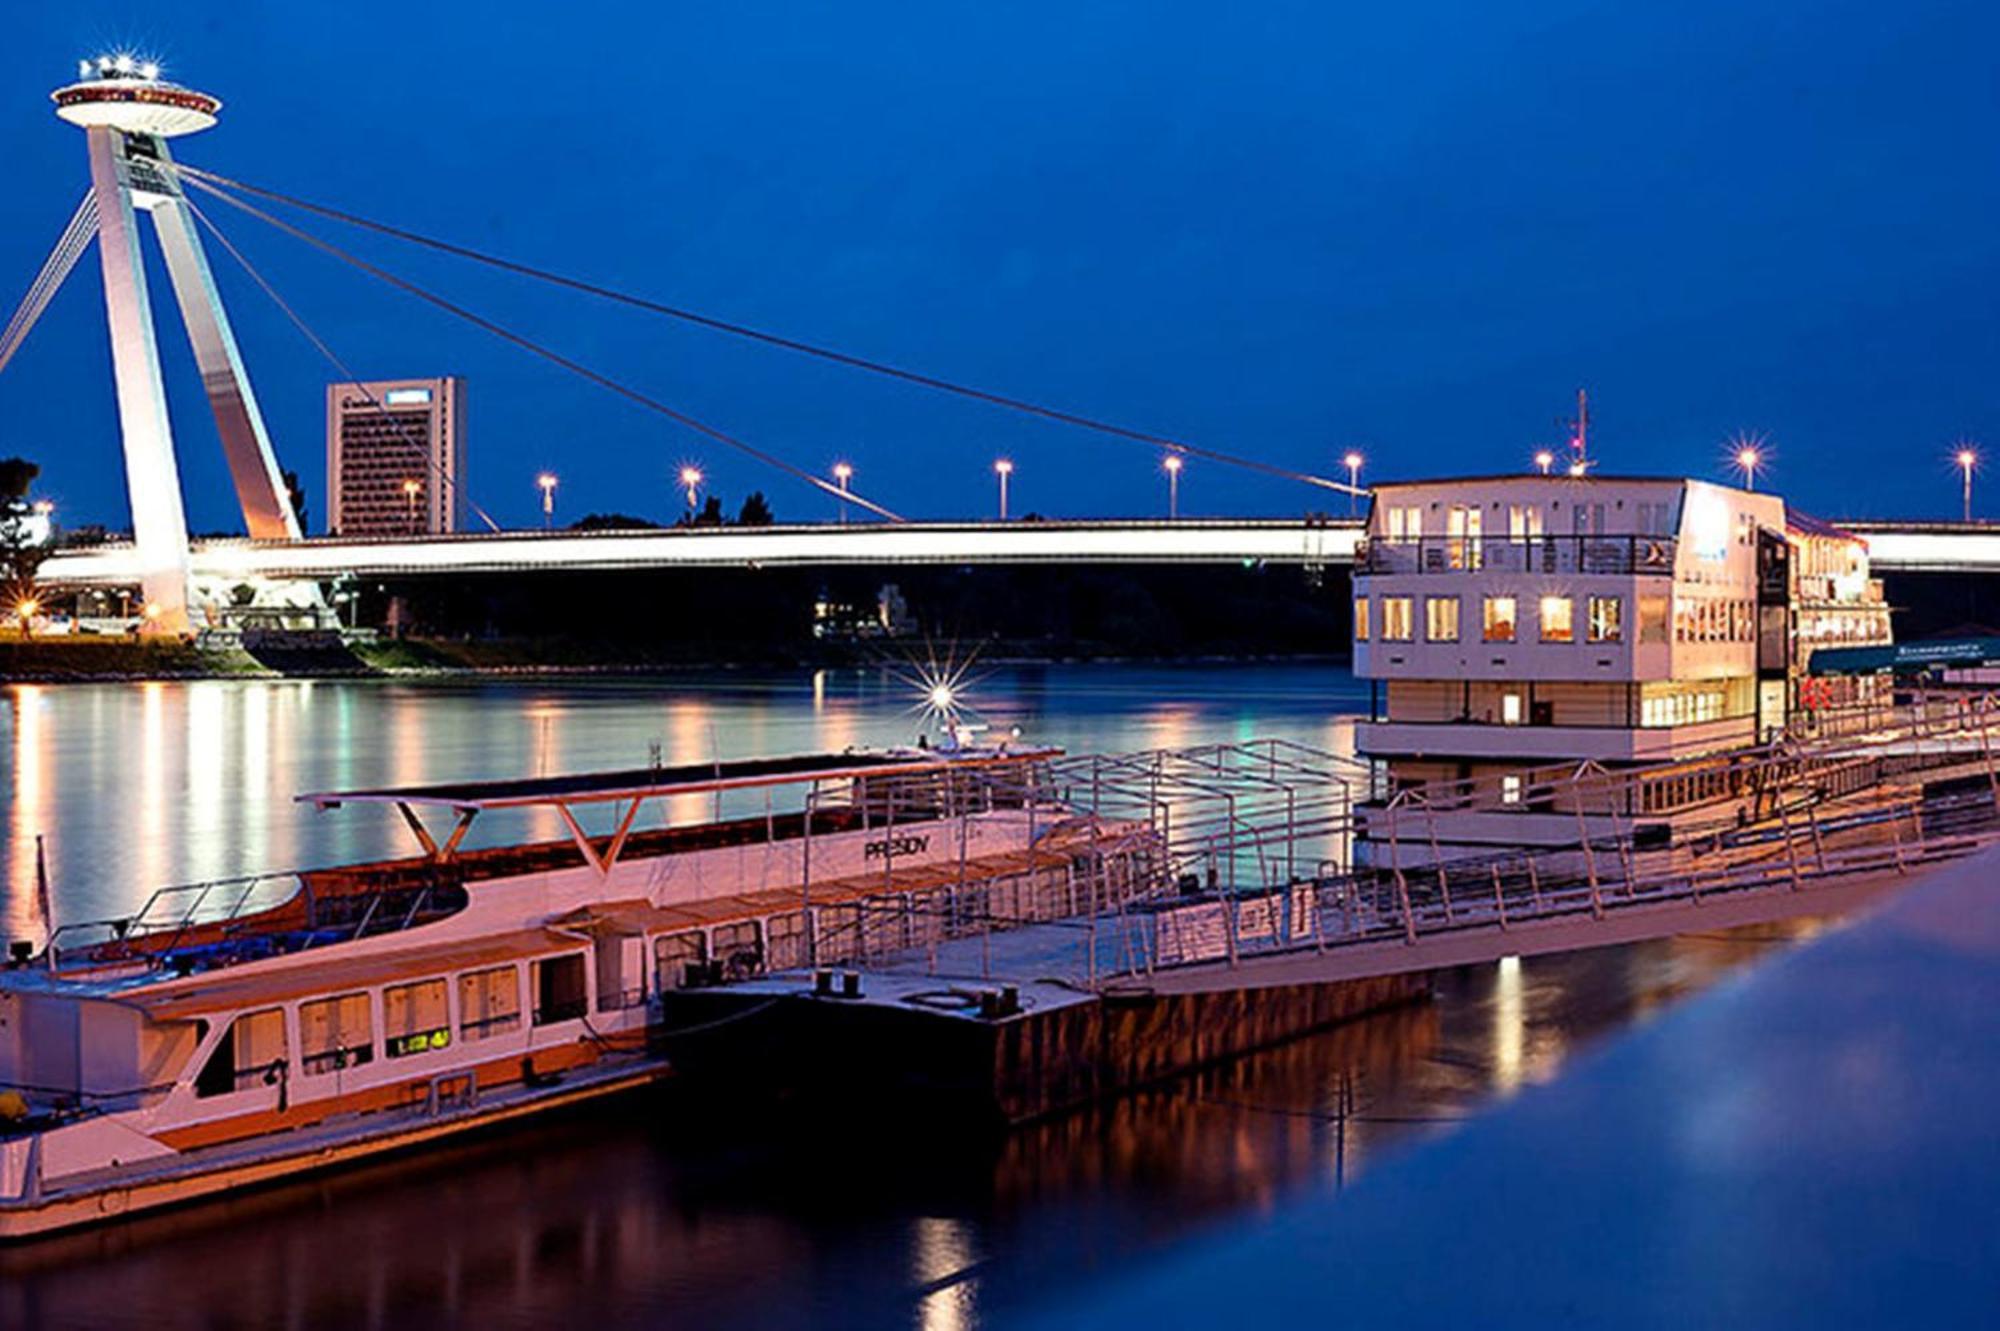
<point x="1612" y="555"/>
<point x="1550" y="743"/>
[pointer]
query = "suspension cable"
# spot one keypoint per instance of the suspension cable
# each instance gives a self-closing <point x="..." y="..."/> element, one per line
<point x="340" y="367"/>
<point x="554" y="357"/>
<point x="847" y="359"/>
<point x="69" y="247"/>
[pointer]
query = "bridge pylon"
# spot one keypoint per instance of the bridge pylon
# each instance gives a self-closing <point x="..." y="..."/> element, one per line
<point x="128" y="113"/>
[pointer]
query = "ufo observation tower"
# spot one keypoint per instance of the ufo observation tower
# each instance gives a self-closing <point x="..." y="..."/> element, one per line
<point x="128" y="112"/>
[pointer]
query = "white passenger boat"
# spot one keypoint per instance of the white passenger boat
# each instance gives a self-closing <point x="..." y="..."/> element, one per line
<point x="228" y="1034"/>
<point x="1514" y="629"/>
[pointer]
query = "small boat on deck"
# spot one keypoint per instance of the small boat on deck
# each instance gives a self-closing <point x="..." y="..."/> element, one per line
<point x="229" y="1034"/>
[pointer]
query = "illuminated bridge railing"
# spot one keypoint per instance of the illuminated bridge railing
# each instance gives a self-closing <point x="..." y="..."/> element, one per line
<point x="1616" y="555"/>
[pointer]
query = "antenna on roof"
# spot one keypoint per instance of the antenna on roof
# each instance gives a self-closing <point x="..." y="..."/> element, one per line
<point x="1579" y="436"/>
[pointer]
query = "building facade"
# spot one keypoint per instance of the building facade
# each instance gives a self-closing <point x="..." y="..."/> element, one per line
<point x="1516" y="627"/>
<point x="395" y="457"/>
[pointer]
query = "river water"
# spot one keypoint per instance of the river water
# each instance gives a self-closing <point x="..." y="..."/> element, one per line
<point x="674" y="1209"/>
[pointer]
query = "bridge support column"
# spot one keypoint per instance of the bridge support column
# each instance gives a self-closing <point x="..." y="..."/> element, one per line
<point x="152" y="477"/>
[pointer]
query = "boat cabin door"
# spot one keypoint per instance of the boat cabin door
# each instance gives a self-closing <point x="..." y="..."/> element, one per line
<point x="621" y="971"/>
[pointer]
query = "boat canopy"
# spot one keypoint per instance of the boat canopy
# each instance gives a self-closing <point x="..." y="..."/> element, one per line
<point x="632" y="787"/>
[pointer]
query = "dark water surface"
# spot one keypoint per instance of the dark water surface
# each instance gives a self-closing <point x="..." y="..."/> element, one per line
<point x="668" y="1209"/>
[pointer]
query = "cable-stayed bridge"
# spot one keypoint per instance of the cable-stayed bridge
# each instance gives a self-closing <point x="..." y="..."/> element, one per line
<point x="1323" y="543"/>
<point x="129" y="113"/>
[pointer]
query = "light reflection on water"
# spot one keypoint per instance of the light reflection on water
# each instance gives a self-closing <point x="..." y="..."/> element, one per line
<point x="670" y="1208"/>
<point x="146" y="785"/>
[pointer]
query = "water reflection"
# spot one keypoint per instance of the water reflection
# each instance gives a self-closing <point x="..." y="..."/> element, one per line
<point x="670" y="1207"/>
<point x="140" y="786"/>
<point x="674" y="1208"/>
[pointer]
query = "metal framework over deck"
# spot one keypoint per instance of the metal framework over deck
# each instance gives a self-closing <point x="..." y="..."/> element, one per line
<point x="627" y="791"/>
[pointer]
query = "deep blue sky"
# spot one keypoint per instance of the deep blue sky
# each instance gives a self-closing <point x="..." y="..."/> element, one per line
<point x="1279" y="229"/>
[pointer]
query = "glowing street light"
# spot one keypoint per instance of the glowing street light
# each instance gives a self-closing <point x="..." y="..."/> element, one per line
<point x="843" y="472"/>
<point x="25" y="611"/>
<point x="1353" y="464"/>
<point x="1967" y="459"/>
<point x="411" y="489"/>
<point x="547" y="481"/>
<point x="1173" y="466"/>
<point x="1748" y="459"/>
<point x="1544" y="460"/>
<point x="44" y="507"/>
<point x="691" y="481"/>
<point x="1003" y="469"/>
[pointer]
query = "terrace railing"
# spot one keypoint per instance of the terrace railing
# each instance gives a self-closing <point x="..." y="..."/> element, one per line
<point x="1625" y="555"/>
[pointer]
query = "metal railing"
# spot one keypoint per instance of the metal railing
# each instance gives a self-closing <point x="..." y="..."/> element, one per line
<point x="1616" y="555"/>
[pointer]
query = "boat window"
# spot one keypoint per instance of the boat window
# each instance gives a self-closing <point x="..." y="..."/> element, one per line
<point x="1361" y="619"/>
<point x="559" y="988"/>
<point x="1652" y="619"/>
<point x="1397" y="621"/>
<point x="1558" y="619"/>
<point x="740" y="947"/>
<point x="1510" y="789"/>
<point x="673" y="954"/>
<point x="1441" y="618"/>
<point x="414" y="1019"/>
<point x="489" y="1002"/>
<point x="335" y="1033"/>
<point x="251" y="1051"/>
<point x="1607" y="619"/>
<point x="1499" y="619"/>
<point x="786" y="940"/>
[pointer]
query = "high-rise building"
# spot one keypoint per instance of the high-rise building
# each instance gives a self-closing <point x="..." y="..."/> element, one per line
<point x="395" y="457"/>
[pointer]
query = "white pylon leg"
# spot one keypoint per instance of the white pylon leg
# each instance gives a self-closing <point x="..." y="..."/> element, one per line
<point x="159" y="523"/>
<point x="260" y="486"/>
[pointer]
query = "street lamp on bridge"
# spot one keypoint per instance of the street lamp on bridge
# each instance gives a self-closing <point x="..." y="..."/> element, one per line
<point x="1353" y="464"/>
<point x="547" y="481"/>
<point x="411" y="489"/>
<point x="1173" y="466"/>
<point x="1544" y="460"/>
<point x="1967" y="459"/>
<point x="1003" y="469"/>
<point x="691" y="481"/>
<point x="843" y="472"/>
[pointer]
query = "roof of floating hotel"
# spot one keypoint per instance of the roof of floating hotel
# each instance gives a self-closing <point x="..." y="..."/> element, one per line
<point x="642" y="782"/>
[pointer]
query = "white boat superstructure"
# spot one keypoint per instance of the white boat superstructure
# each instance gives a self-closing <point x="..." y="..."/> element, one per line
<point x="234" y="1032"/>
<point x="1513" y="628"/>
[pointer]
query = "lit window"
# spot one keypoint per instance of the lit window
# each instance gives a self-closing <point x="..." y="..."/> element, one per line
<point x="414" y="1019"/>
<point x="1361" y="619"/>
<point x="1510" y="789"/>
<point x="251" y="1054"/>
<point x="1441" y="618"/>
<point x="1558" y="619"/>
<point x="1607" y="619"/>
<point x="489" y="1002"/>
<point x="1499" y="623"/>
<point x="1510" y="709"/>
<point x="1398" y="623"/>
<point x="335" y="1033"/>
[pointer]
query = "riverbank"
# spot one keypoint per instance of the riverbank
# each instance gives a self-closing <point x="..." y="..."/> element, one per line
<point x="90" y="660"/>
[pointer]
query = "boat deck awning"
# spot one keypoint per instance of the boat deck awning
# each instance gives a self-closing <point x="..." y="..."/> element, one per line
<point x="645" y="782"/>
<point x="628" y="789"/>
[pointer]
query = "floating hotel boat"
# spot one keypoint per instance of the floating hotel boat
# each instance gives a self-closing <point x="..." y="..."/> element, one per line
<point x="234" y="1033"/>
<point x="1513" y="628"/>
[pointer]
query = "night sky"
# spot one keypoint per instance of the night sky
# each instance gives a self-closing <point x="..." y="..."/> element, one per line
<point x="1277" y="229"/>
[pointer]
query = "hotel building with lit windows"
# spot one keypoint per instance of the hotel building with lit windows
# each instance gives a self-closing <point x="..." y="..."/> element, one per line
<point x="395" y="457"/>
<point x="1516" y="627"/>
